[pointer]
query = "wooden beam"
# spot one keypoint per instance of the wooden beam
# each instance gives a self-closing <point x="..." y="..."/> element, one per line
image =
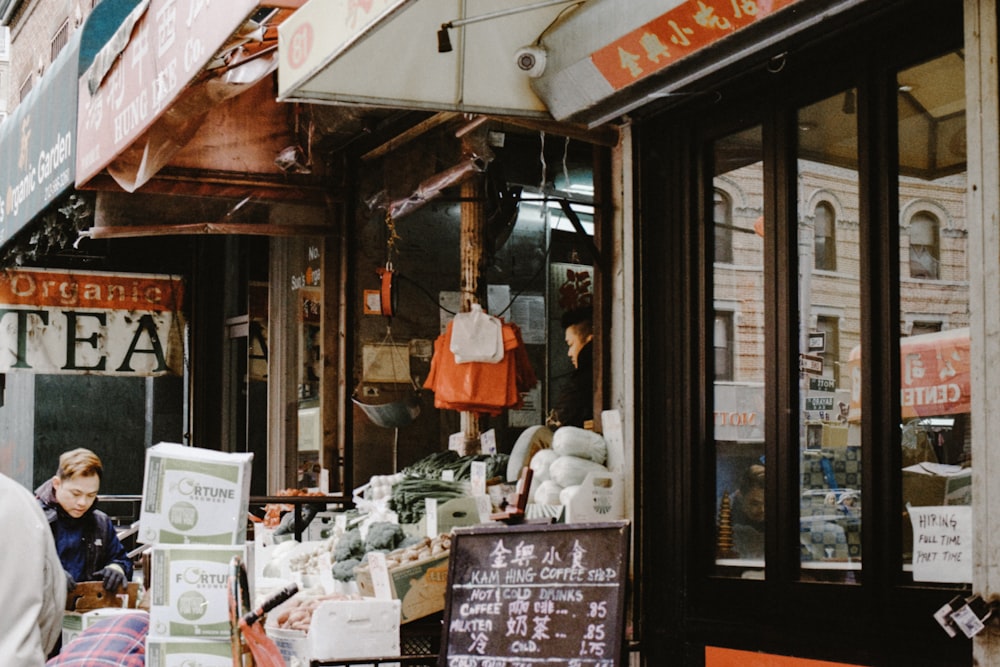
<point x="129" y="231"/>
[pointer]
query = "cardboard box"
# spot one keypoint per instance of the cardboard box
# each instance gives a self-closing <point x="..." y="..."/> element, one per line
<point x="75" y="622"/>
<point x="184" y="652"/>
<point x="420" y="586"/>
<point x="342" y="629"/>
<point x="834" y="434"/>
<point x="932" y="485"/>
<point x="189" y="590"/>
<point x="194" y="495"/>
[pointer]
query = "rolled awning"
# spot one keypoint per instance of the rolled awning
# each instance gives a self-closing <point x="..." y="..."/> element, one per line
<point x="147" y="95"/>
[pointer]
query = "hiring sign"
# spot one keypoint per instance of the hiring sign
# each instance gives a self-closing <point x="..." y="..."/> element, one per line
<point x="83" y="322"/>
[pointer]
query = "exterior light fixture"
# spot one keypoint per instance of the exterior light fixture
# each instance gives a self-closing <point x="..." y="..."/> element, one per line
<point x="444" y="39"/>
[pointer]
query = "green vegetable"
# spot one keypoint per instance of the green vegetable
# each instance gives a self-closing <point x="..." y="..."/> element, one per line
<point x="383" y="535"/>
<point x="349" y="546"/>
<point x="343" y="570"/>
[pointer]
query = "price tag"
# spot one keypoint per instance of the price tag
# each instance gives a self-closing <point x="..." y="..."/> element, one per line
<point x="380" y="575"/>
<point x="478" y="477"/>
<point x="456" y="442"/>
<point x="488" y="442"/>
<point x="431" y="514"/>
<point x="340" y="523"/>
<point x="484" y="506"/>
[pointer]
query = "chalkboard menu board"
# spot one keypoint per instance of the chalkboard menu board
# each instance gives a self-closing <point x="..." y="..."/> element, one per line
<point x="529" y="594"/>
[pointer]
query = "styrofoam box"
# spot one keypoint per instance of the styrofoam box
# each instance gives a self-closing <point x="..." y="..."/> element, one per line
<point x="184" y="652"/>
<point x="194" y="495"/>
<point x="75" y="622"/>
<point x="343" y="629"/>
<point x="599" y="498"/>
<point x="189" y="591"/>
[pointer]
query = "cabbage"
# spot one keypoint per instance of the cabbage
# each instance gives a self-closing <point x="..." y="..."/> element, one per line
<point x="581" y="443"/>
<point x="571" y="471"/>
<point x="540" y="463"/>
<point x="547" y="493"/>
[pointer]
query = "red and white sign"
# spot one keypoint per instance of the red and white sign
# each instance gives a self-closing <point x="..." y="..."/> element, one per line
<point x="935" y="377"/>
<point x="62" y="322"/>
<point x="170" y="45"/>
<point x="685" y="29"/>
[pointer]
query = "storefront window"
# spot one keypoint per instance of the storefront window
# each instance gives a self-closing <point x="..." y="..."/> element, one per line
<point x="829" y="328"/>
<point x="934" y="319"/>
<point x="738" y="340"/>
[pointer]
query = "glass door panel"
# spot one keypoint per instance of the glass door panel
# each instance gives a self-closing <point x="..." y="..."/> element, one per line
<point x="934" y="322"/>
<point x="738" y="352"/>
<point x="829" y="317"/>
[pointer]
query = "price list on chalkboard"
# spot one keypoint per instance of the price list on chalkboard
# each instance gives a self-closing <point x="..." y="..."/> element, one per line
<point x="525" y="595"/>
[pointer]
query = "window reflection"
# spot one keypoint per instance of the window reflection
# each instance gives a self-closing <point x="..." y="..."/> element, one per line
<point x="829" y="328"/>
<point x="934" y="437"/>
<point x="738" y="344"/>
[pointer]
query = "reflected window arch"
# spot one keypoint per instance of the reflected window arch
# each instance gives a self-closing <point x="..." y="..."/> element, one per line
<point x="825" y="237"/>
<point x="722" y="215"/>
<point x="925" y="246"/>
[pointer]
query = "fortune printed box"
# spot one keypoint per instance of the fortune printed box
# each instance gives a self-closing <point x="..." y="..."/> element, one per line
<point x="173" y="652"/>
<point x="193" y="495"/>
<point x="189" y="590"/>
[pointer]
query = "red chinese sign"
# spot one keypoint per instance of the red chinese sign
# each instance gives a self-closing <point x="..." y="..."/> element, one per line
<point x="683" y="30"/>
<point x="935" y="375"/>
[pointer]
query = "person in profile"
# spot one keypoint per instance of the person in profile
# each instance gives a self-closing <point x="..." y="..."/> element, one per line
<point x="748" y="513"/>
<point x="574" y="405"/>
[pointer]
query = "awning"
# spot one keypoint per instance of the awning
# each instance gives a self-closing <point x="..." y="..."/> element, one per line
<point x="385" y="53"/>
<point x="610" y="57"/>
<point x="41" y="133"/>
<point x="150" y="90"/>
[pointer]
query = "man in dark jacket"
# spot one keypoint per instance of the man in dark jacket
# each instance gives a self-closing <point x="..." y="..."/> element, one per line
<point x="88" y="545"/>
<point x="574" y="405"/>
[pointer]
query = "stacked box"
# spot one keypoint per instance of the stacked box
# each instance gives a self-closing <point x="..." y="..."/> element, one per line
<point x="194" y="513"/>
<point x="181" y="652"/>
<point x="193" y="495"/>
<point x="190" y="590"/>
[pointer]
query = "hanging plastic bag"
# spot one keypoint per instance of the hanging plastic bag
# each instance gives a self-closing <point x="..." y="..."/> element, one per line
<point x="477" y="337"/>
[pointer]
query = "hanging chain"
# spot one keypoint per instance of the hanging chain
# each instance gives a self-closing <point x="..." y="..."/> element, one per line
<point x="390" y="242"/>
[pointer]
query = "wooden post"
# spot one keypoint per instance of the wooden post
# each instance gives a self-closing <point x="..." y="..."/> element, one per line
<point x="472" y="238"/>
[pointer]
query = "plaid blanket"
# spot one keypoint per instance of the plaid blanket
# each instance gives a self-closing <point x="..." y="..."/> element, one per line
<point x="117" y="641"/>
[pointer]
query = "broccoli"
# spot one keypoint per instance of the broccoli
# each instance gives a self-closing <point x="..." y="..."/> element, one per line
<point x="348" y="546"/>
<point x="343" y="570"/>
<point x="383" y="535"/>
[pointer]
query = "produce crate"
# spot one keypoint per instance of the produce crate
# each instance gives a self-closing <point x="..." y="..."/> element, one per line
<point x="421" y="586"/>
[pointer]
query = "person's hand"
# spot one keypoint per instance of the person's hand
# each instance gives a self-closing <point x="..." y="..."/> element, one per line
<point x="70" y="582"/>
<point x="113" y="577"/>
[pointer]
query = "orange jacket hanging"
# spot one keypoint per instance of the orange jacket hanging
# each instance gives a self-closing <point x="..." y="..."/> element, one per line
<point x="481" y="387"/>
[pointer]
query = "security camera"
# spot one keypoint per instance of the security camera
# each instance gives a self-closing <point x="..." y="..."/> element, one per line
<point x="531" y="60"/>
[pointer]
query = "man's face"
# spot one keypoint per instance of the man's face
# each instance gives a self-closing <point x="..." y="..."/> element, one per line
<point x="575" y="343"/>
<point x="753" y="504"/>
<point x="76" y="494"/>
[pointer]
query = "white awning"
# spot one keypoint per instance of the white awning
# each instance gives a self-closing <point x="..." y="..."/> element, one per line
<point x="385" y="53"/>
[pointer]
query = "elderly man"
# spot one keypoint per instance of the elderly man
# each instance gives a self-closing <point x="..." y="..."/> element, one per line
<point x="31" y="580"/>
